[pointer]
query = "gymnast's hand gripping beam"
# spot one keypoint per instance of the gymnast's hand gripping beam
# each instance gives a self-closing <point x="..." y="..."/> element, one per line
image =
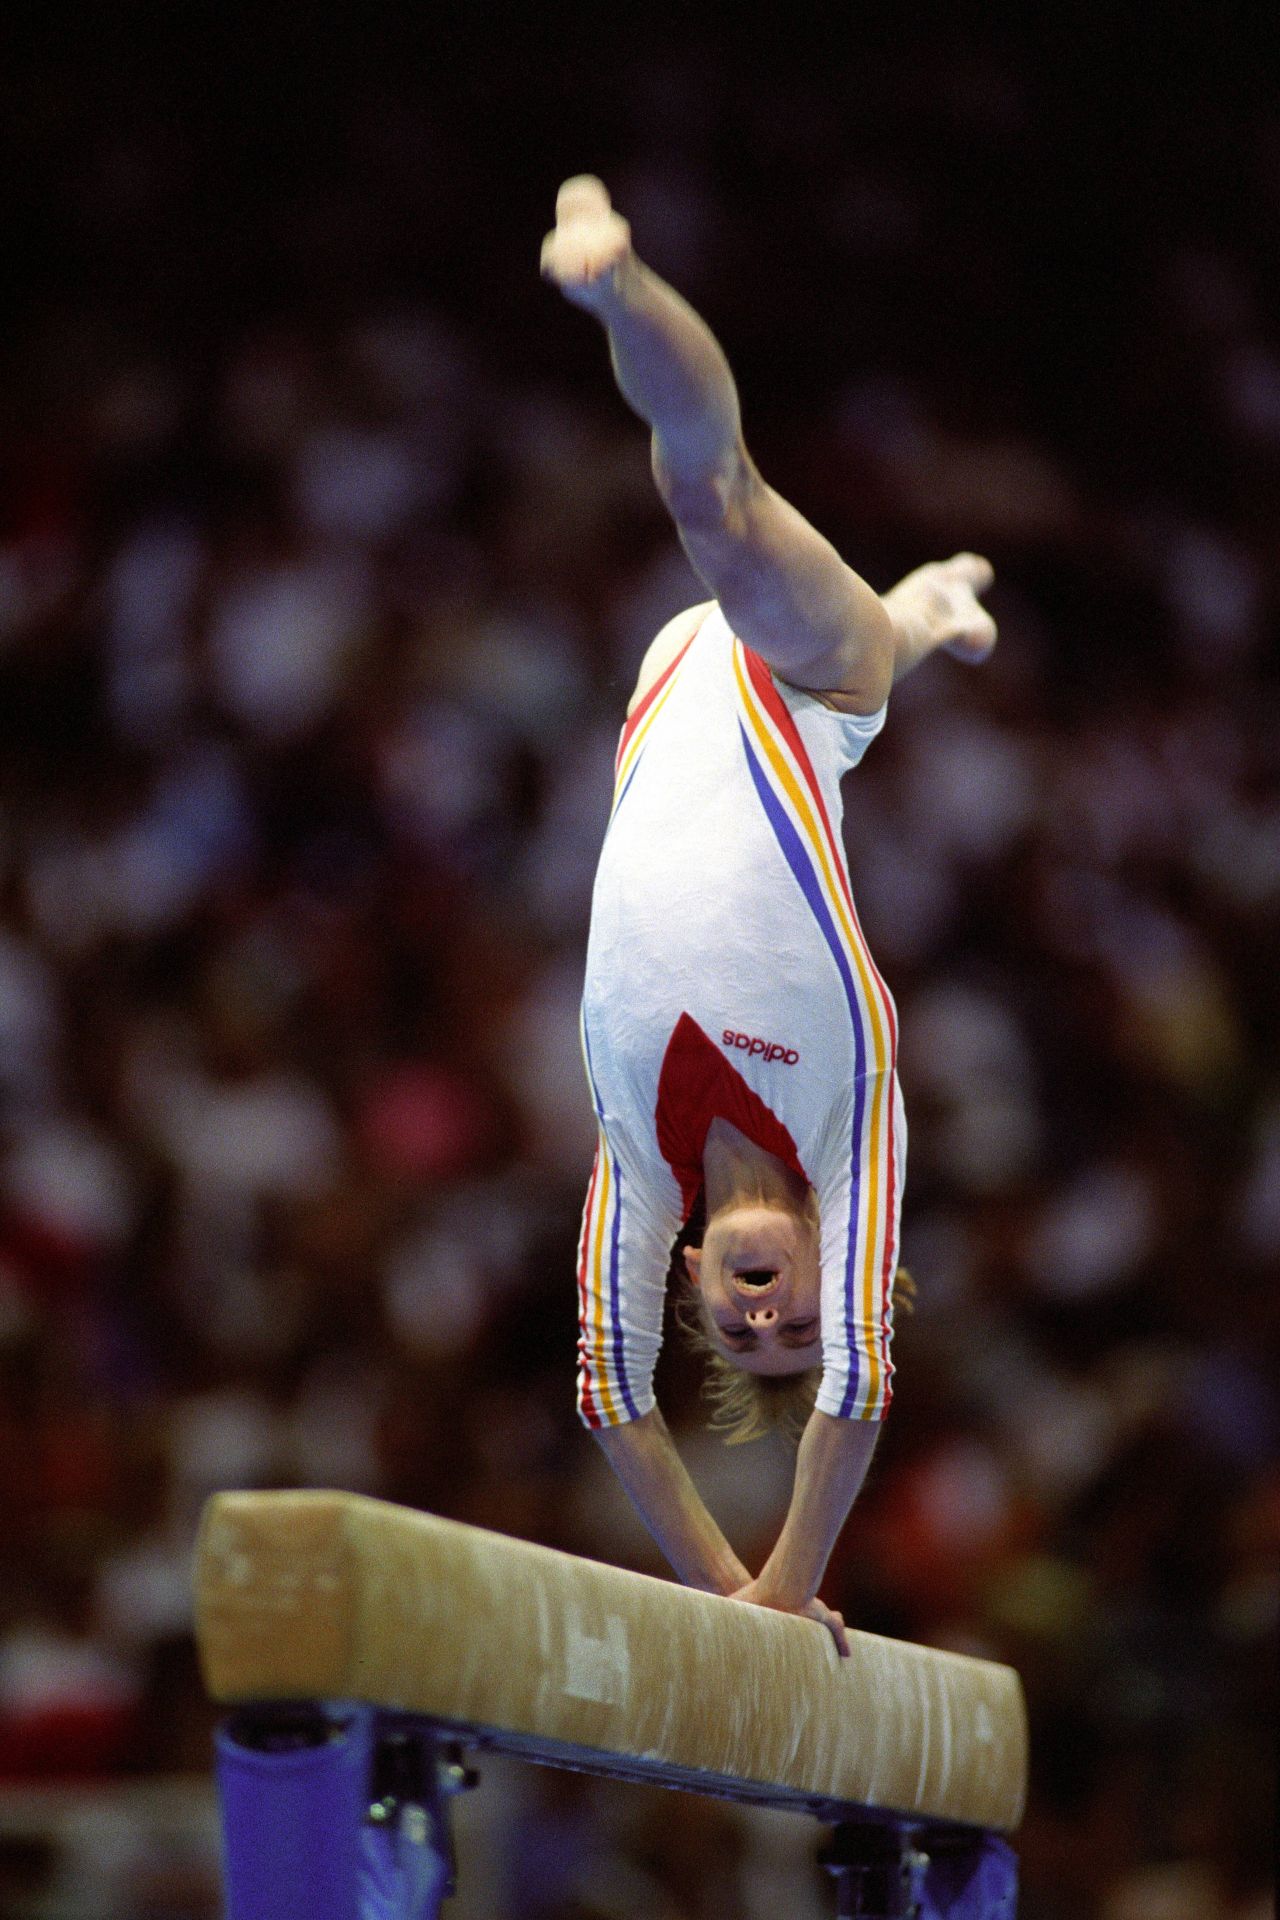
<point x="335" y="1598"/>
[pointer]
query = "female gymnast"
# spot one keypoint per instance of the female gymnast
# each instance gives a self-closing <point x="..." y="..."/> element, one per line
<point x="740" y="1044"/>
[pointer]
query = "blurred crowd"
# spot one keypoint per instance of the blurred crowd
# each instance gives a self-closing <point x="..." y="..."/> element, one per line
<point x="327" y="557"/>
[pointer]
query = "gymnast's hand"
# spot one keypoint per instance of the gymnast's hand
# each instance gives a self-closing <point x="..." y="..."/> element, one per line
<point x="583" y="252"/>
<point x="815" y="1610"/>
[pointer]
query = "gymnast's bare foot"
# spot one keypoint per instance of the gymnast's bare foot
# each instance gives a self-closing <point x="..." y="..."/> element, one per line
<point x="588" y="244"/>
<point x="937" y="607"/>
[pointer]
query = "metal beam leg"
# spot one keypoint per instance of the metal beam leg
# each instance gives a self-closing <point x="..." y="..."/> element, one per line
<point x="294" y="1794"/>
<point x="976" y="1879"/>
<point x="335" y="1816"/>
<point x="908" y="1872"/>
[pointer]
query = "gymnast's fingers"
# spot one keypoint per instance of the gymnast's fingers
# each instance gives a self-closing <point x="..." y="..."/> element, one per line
<point x="833" y="1622"/>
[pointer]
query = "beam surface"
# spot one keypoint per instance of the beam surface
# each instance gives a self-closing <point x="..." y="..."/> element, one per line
<point x="332" y="1596"/>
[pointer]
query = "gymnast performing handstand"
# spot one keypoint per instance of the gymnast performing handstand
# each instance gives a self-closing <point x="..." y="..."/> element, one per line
<point x="739" y="1041"/>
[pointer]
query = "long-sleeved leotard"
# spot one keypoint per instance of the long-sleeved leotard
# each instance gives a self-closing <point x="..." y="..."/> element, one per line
<point x="727" y="975"/>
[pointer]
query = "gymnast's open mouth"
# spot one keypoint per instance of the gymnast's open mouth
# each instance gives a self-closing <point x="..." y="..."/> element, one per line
<point x="758" y="1277"/>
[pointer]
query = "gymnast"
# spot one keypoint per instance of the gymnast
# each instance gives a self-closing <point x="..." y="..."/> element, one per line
<point x="740" y="1044"/>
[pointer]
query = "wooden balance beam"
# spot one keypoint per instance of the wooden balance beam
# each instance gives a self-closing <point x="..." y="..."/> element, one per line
<point x="334" y="1597"/>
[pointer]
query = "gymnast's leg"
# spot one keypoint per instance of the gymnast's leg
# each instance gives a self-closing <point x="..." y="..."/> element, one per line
<point x="783" y="587"/>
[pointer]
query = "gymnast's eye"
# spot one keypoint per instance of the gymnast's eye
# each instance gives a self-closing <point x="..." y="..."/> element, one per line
<point x="804" y="1330"/>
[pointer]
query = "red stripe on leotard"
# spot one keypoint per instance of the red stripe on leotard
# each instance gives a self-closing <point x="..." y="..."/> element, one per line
<point x="697" y="1085"/>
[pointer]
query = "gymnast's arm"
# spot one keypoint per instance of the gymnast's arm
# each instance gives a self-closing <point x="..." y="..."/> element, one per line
<point x="643" y="1455"/>
<point x="831" y="1465"/>
<point x="783" y="588"/>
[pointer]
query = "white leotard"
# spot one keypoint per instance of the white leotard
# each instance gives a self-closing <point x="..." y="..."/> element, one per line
<point x="727" y="973"/>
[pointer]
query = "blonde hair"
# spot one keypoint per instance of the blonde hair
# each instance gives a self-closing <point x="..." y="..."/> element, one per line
<point x="747" y="1406"/>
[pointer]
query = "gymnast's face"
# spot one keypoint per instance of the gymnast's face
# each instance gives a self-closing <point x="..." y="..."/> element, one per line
<point x="758" y="1274"/>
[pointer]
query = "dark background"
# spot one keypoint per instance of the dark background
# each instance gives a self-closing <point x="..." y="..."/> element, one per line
<point x="327" y="555"/>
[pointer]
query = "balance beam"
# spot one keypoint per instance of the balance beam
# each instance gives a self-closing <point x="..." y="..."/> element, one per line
<point x="335" y="1597"/>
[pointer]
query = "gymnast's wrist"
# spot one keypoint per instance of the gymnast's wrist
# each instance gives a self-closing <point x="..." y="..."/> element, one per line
<point x="727" y="1577"/>
<point x="784" y="1595"/>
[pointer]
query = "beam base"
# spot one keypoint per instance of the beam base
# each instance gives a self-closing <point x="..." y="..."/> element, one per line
<point x="335" y="1815"/>
<point x="342" y="1813"/>
<point x="886" y="1869"/>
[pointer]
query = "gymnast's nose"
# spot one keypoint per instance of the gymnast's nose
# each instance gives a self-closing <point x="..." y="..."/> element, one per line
<point x="761" y="1317"/>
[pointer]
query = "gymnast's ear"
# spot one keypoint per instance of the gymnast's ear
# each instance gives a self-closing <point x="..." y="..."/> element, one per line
<point x="693" y="1264"/>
